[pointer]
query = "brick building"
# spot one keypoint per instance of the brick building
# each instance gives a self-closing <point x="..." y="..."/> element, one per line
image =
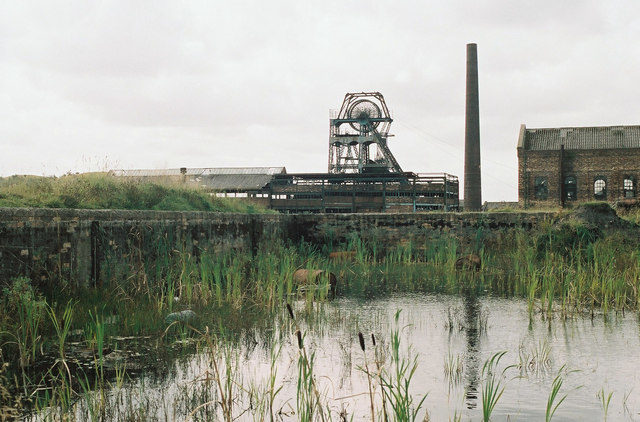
<point x="561" y="166"/>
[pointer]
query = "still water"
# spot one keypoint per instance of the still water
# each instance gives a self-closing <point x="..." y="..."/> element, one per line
<point x="597" y="358"/>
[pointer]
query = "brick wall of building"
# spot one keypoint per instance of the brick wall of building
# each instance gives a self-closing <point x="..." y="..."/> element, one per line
<point x="533" y="164"/>
<point x="613" y="165"/>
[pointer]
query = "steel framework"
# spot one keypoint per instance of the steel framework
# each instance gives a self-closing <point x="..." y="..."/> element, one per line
<point x="325" y="192"/>
<point x="358" y="136"/>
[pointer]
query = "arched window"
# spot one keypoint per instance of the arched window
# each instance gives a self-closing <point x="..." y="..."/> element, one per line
<point x="600" y="188"/>
<point x="541" y="188"/>
<point x="570" y="188"/>
<point x="629" y="187"/>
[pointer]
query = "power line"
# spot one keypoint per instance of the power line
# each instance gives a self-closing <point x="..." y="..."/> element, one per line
<point x="448" y="144"/>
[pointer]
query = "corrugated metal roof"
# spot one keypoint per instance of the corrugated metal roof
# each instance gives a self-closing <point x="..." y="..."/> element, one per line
<point x="200" y="171"/>
<point x="145" y="173"/>
<point x="221" y="178"/>
<point x="601" y="137"/>
<point x="243" y="170"/>
<point x="238" y="182"/>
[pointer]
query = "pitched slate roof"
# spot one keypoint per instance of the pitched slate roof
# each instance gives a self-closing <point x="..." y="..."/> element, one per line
<point x="600" y="137"/>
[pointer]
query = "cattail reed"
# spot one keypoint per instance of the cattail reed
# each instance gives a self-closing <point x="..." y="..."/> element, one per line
<point x="366" y="370"/>
<point x="373" y="340"/>
<point x="290" y="310"/>
<point x="299" y="335"/>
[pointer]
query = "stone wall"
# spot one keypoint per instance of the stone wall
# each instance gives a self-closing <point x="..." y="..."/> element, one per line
<point x="391" y="229"/>
<point x="71" y="245"/>
<point x="66" y="244"/>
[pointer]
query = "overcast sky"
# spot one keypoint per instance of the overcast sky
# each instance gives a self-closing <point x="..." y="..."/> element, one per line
<point x="93" y="85"/>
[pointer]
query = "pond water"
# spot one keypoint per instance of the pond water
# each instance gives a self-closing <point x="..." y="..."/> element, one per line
<point x="595" y="356"/>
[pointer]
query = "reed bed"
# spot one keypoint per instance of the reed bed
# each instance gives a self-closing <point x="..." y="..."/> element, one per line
<point x="562" y="271"/>
<point x="565" y="270"/>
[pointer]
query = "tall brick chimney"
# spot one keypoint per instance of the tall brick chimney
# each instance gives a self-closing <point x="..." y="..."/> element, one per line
<point x="472" y="185"/>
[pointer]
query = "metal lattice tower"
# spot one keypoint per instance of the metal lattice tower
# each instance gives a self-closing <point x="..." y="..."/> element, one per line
<point x="358" y="136"/>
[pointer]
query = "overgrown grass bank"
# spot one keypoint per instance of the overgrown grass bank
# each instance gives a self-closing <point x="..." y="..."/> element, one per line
<point x="100" y="191"/>
<point x="632" y="215"/>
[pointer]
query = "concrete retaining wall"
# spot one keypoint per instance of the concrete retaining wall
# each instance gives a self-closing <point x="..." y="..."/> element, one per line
<point x="50" y="244"/>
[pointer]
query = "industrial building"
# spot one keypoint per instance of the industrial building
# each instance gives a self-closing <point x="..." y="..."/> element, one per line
<point x="363" y="175"/>
<point x="353" y="192"/>
<point x="225" y="181"/>
<point x="563" y="166"/>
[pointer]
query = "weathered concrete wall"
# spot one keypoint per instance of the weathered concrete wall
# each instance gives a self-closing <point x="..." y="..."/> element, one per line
<point x="70" y="244"/>
<point x="391" y="229"/>
<point x="47" y="244"/>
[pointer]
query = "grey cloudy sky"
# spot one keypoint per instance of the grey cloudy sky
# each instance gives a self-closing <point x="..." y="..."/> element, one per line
<point x="99" y="84"/>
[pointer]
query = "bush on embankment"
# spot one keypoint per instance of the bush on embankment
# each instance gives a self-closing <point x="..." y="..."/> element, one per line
<point x="100" y="191"/>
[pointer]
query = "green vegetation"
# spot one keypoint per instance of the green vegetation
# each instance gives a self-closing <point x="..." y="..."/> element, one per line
<point x="100" y="191"/>
<point x="396" y="381"/>
<point x="632" y="215"/>
<point x="493" y="386"/>
<point x="605" y="400"/>
<point x="562" y="270"/>
<point x="554" y="401"/>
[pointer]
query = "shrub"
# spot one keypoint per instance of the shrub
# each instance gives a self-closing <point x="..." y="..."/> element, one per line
<point x="566" y="238"/>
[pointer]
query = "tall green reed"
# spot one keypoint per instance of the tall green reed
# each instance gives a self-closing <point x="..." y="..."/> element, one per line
<point x="555" y="400"/>
<point x="62" y="392"/>
<point x="605" y="401"/>
<point x="396" y="381"/>
<point x="493" y="384"/>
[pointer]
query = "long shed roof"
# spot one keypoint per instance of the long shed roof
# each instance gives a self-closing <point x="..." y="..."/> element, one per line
<point x="220" y="178"/>
<point x="599" y="137"/>
<point x="199" y="171"/>
<point x="235" y="182"/>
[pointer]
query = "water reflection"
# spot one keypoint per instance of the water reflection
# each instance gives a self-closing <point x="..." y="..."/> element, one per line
<point x="597" y="355"/>
<point x="472" y="331"/>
